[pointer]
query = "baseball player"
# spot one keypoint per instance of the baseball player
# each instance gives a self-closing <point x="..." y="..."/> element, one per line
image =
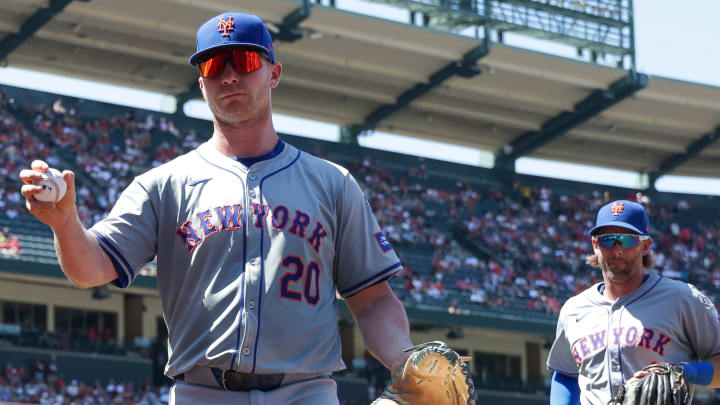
<point x="253" y="239"/>
<point x="609" y="332"/>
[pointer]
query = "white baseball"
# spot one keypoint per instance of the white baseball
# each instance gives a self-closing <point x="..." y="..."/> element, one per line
<point x="54" y="186"/>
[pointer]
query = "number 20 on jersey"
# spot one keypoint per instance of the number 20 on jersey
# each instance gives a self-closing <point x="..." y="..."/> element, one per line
<point x="307" y="278"/>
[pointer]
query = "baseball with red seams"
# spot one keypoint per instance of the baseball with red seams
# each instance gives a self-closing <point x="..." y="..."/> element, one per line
<point x="54" y="186"/>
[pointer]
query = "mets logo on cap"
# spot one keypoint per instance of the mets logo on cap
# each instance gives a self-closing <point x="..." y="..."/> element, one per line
<point x="617" y="209"/>
<point x="226" y="27"/>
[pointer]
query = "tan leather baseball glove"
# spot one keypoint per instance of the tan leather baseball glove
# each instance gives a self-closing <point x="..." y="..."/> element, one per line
<point x="433" y="375"/>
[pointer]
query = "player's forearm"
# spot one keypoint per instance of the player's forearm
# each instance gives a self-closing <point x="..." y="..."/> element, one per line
<point x="385" y="329"/>
<point x="81" y="258"/>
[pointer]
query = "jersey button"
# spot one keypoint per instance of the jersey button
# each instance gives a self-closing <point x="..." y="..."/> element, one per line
<point x="252" y="194"/>
<point x="252" y="176"/>
<point x="246" y="351"/>
<point x="251" y="304"/>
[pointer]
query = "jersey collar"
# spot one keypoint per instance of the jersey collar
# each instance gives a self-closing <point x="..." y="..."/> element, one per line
<point x="285" y="156"/>
<point x="249" y="161"/>
<point x="598" y="297"/>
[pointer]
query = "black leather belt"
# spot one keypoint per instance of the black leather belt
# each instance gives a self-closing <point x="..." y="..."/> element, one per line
<point x="237" y="381"/>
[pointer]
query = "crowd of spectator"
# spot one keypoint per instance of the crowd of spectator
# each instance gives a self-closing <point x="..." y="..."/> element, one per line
<point x="415" y="214"/>
<point x="9" y="244"/>
<point x="110" y="151"/>
<point x="532" y="242"/>
<point x="17" y="145"/>
<point x="543" y="237"/>
<point x="518" y="244"/>
<point x="41" y="382"/>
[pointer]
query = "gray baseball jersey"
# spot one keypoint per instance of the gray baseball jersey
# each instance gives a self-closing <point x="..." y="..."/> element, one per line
<point x="249" y="259"/>
<point x="604" y="342"/>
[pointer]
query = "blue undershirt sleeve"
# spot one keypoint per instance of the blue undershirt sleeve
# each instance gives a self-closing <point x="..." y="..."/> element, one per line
<point x="564" y="390"/>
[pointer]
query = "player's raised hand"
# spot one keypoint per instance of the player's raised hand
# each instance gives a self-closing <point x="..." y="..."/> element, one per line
<point x="52" y="214"/>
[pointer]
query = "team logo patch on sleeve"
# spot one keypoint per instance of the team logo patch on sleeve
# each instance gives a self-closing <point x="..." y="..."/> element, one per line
<point x="706" y="301"/>
<point x="382" y="242"/>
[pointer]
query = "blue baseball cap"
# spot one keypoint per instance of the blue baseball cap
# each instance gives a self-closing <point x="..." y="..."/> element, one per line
<point x="230" y="30"/>
<point x="625" y="214"/>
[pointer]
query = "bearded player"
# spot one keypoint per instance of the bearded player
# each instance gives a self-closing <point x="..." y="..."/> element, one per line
<point x="607" y="334"/>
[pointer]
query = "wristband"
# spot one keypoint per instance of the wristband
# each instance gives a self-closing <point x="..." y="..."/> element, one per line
<point x="700" y="373"/>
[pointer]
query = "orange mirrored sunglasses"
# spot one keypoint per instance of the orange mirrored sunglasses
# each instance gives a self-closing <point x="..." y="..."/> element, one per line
<point x="242" y="60"/>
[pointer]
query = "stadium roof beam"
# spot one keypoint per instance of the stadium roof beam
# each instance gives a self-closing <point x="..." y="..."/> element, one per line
<point x="287" y="31"/>
<point x="676" y="160"/>
<point x="594" y="104"/>
<point x="466" y="67"/>
<point x="32" y="25"/>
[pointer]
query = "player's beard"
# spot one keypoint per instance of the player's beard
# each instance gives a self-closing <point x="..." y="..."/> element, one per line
<point x="619" y="271"/>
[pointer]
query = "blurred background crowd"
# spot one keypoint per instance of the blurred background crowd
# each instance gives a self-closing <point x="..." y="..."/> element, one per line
<point x="466" y="245"/>
<point x="490" y="245"/>
<point x="41" y="382"/>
